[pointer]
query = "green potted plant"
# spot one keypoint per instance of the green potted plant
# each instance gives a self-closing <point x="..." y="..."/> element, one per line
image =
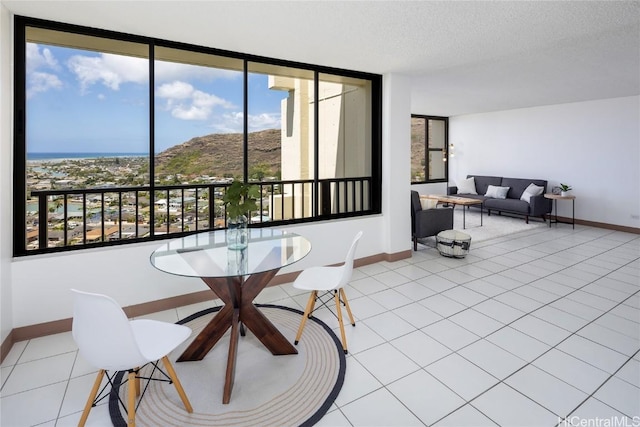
<point x="564" y="189"/>
<point x="239" y="200"/>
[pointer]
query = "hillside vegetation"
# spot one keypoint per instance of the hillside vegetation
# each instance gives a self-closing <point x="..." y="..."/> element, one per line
<point x="417" y="148"/>
<point x="221" y="155"/>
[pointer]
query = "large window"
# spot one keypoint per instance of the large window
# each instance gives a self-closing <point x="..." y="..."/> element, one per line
<point x="120" y="138"/>
<point x="429" y="149"/>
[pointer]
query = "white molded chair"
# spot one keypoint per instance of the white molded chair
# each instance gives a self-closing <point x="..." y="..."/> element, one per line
<point x="330" y="280"/>
<point x="108" y="340"/>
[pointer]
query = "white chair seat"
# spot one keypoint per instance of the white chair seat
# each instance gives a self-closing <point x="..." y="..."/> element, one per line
<point x="157" y="339"/>
<point x="319" y="278"/>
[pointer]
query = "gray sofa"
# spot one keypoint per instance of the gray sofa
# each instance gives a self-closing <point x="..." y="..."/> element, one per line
<point x="537" y="205"/>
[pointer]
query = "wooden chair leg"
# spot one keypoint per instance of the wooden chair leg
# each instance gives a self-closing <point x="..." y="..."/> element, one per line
<point x="346" y="304"/>
<point x="339" y="312"/>
<point x="307" y="311"/>
<point x="137" y="371"/>
<point x="177" y="384"/>
<point x="92" y="397"/>
<point x="313" y="303"/>
<point x="131" y="404"/>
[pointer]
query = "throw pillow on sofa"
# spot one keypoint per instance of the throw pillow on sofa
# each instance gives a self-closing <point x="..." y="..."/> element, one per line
<point x="467" y="186"/>
<point x="497" y="192"/>
<point x="530" y="191"/>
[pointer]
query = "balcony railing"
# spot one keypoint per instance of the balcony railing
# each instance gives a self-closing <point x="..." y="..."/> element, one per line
<point x="69" y="219"/>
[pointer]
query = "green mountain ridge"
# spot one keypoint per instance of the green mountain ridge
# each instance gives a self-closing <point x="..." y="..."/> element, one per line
<point x="221" y="154"/>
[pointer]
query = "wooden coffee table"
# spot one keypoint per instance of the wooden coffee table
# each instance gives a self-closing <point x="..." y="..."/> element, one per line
<point x="456" y="200"/>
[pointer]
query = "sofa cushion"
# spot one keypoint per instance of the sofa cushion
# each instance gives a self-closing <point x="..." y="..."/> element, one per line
<point x="467" y="186"/>
<point x="483" y="182"/>
<point x="531" y="190"/>
<point x="508" y="205"/>
<point x="518" y="185"/>
<point x="497" y="192"/>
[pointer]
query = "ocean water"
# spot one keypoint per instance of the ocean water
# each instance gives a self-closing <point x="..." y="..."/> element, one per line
<point x="58" y="156"/>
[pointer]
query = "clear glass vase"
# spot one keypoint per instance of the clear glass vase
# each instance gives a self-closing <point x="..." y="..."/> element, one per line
<point x="237" y="233"/>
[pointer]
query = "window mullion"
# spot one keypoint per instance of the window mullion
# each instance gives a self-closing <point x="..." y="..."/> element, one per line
<point x="152" y="136"/>
<point x="427" y="150"/>
<point x="316" y="148"/>
<point x="245" y="124"/>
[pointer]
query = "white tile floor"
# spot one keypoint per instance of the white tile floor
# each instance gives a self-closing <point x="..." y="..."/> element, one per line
<point x="526" y="330"/>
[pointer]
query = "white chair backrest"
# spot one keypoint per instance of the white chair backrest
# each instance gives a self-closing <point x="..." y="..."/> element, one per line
<point x="103" y="333"/>
<point x="347" y="269"/>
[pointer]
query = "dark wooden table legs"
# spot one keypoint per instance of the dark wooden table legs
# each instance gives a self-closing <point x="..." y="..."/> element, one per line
<point x="238" y="295"/>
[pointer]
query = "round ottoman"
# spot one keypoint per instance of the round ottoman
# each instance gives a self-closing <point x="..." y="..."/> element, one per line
<point x="452" y="243"/>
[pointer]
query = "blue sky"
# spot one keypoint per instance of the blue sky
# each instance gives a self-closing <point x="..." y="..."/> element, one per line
<point x="84" y="101"/>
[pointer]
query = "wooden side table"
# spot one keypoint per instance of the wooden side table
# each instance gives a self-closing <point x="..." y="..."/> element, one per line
<point x="555" y="198"/>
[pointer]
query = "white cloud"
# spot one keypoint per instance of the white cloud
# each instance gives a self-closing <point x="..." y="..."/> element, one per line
<point x="37" y="59"/>
<point x="190" y="112"/>
<point x="110" y="70"/>
<point x="207" y="100"/>
<point x="264" y="121"/>
<point x="41" y="82"/>
<point x="233" y="122"/>
<point x="40" y="67"/>
<point x="175" y="90"/>
<point x="228" y="123"/>
<point x="49" y="59"/>
<point x="188" y="103"/>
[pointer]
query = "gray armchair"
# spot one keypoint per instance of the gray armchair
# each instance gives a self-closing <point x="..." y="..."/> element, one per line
<point x="429" y="222"/>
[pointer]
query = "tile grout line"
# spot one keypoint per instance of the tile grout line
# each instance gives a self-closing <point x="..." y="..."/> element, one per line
<point x="598" y="388"/>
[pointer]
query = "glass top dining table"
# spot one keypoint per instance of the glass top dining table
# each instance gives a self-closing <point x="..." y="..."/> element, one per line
<point x="207" y="255"/>
<point x="236" y="277"/>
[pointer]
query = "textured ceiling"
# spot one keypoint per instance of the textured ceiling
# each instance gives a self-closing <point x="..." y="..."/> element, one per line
<point x="462" y="57"/>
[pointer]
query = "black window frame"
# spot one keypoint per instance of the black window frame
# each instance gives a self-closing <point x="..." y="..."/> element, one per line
<point x="20" y="120"/>
<point x="427" y="150"/>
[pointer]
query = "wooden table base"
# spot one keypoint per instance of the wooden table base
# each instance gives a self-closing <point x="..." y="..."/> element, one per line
<point x="238" y="295"/>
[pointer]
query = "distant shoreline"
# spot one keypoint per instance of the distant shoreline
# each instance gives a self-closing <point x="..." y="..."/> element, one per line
<point x="76" y="156"/>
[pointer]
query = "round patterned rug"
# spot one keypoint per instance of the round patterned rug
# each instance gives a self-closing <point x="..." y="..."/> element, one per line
<point x="269" y="390"/>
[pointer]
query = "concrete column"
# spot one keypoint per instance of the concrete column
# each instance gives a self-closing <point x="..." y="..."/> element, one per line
<point x="396" y="161"/>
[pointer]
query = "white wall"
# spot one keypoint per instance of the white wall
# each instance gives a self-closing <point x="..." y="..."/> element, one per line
<point x="40" y="284"/>
<point x="594" y="146"/>
<point x="5" y="173"/>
